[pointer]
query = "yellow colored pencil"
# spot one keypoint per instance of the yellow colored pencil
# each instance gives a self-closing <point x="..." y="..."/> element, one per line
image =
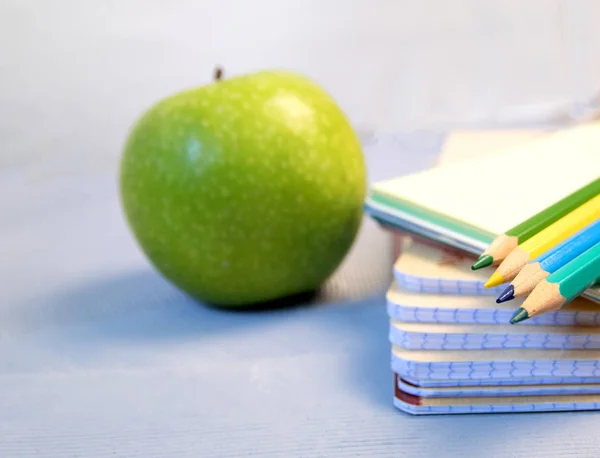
<point x="503" y="244"/>
<point x="545" y="240"/>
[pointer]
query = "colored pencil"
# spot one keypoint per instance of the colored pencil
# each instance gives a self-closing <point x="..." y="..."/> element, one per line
<point x="505" y="243"/>
<point x="550" y="261"/>
<point x="545" y="240"/>
<point x="561" y="287"/>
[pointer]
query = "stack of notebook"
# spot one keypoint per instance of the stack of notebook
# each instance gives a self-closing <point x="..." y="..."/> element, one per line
<point x="453" y="347"/>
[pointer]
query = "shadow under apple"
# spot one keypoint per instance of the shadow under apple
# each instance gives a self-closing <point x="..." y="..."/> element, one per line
<point x="139" y="314"/>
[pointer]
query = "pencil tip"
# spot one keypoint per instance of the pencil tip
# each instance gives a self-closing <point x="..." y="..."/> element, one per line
<point x="483" y="261"/>
<point x="507" y="295"/>
<point x="520" y="315"/>
<point x="495" y="280"/>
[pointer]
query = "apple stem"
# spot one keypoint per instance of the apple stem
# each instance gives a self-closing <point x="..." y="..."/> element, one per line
<point x="218" y="74"/>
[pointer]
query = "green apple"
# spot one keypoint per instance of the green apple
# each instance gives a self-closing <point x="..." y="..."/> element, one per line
<point x="244" y="190"/>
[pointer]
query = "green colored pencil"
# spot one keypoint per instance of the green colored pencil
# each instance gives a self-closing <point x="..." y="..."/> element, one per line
<point x="561" y="287"/>
<point x="505" y="243"/>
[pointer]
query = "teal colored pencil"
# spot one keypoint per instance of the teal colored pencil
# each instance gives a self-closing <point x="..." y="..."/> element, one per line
<point x="561" y="287"/>
<point x="550" y="261"/>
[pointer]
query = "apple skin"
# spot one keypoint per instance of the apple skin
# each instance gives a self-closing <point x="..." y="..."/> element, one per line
<point x="244" y="190"/>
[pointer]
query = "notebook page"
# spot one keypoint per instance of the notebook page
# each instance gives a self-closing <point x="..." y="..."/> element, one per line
<point x="540" y="172"/>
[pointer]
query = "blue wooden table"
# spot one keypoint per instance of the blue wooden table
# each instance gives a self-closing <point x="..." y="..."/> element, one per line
<point x="100" y="357"/>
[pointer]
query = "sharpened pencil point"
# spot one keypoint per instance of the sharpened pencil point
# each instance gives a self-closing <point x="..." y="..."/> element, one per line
<point x="507" y="295"/>
<point x="483" y="261"/>
<point x="495" y="280"/>
<point x="520" y="315"/>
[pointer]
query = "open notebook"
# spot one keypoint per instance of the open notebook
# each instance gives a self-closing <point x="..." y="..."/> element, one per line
<point x="445" y="203"/>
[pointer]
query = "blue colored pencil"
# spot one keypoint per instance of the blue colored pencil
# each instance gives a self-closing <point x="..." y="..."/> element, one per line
<point x="550" y="261"/>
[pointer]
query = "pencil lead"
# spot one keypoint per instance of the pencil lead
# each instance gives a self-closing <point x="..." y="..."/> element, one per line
<point x="484" y="260"/>
<point x="495" y="280"/>
<point x="507" y="295"/>
<point x="520" y="315"/>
